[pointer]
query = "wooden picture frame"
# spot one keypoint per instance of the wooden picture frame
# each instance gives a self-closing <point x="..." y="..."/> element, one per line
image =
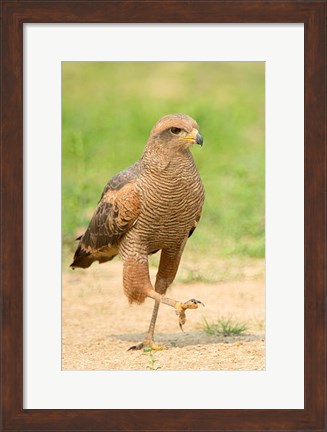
<point x="14" y="15"/>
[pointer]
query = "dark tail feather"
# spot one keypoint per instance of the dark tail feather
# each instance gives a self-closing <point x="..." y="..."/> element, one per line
<point x="82" y="259"/>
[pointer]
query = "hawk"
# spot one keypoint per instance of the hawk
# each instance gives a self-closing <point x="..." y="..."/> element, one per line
<point x="154" y="205"/>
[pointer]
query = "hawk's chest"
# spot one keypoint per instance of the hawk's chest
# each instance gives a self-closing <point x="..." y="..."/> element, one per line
<point x="172" y="193"/>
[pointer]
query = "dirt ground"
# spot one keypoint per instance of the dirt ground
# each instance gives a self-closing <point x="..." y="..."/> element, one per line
<point x="98" y="324"/>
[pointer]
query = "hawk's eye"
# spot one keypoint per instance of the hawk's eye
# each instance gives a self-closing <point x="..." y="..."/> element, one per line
<point x="175" y="130"/>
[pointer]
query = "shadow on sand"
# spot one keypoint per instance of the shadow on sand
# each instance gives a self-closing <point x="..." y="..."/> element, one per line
<point x="181" y="340"/>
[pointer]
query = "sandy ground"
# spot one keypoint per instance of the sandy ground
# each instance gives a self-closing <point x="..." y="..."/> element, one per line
<point x="98" y="324"/>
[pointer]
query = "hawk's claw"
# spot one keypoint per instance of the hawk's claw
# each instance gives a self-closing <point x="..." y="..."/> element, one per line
<point x="147" y="345"/>
<point x="135" y="347"/>
<point x="181" y="308"/>
<point x="195" y="301"/>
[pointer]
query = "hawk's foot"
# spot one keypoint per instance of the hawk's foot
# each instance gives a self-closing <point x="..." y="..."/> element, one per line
<point x="147" y="345"/>
<point x="182" y="307"/>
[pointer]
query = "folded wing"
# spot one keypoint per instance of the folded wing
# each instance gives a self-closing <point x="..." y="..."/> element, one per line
<point x="116" y="213"/>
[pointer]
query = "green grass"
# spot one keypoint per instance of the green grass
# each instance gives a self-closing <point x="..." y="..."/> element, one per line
<point x="224" y="327"/>
<point x="108" y="110"/>
<point x="152" y="361"/>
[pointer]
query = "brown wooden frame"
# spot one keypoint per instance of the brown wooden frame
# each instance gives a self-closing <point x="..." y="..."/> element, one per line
<point x="14" y="14"/>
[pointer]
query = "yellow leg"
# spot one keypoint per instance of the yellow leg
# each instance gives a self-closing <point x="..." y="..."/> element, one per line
<point x="149" y="342"/>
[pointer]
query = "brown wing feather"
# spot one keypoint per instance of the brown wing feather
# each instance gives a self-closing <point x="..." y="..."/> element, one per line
<point x="115" y="214"/>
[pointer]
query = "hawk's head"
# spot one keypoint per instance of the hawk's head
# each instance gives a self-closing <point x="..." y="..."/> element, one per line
<point x="175" y="132"/>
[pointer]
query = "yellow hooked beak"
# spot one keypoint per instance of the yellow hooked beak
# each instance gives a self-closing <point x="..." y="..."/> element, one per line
<point x="193" y="137"/>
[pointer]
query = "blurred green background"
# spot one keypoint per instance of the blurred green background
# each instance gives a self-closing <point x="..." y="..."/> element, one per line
<point x="108" y="109"/>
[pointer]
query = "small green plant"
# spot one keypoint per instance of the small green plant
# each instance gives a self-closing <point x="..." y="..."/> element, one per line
<point x="224" y="327"/>
<point x="152" y="360"/>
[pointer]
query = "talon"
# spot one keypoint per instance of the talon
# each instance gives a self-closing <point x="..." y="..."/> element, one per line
<point x="195" y="301"/>
<point x="136" y="347"/>
<point x="147" y="346"/>
<point x="181" y="316"/>
<point x="132" y="348"/>
<point x="182" y="307"/>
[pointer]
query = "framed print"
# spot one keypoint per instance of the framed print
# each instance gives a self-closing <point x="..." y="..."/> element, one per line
<point x="243" y="84"/>
<point x="76" y="72"/>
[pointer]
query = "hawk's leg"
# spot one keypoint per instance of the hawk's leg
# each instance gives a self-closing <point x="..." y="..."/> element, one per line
<point x="149" y="342"/>
<point x="169" y="262"/>
<point x="166" y="274"/>
<point x="179" y="306"/>
<point x="136" y="283"/>
<point x="168" y="266"/>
